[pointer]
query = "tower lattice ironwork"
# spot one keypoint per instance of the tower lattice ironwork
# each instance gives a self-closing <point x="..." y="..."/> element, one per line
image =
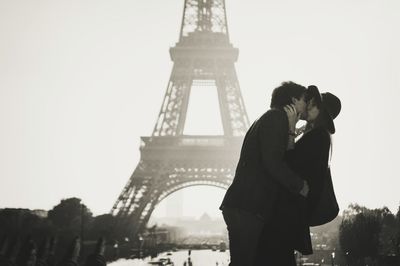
<point x="169" y="159"/>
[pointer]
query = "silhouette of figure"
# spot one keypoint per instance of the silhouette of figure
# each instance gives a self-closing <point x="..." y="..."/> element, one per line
<point x="97" y="257"/>
<point x="9" y="257"/>
<point x="261" y="174"/>
<point x="72" y="254"/>
<point x="27" y="253"/>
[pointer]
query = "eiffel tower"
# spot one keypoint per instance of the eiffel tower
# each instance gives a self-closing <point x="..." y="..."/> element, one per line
<point x="170" y="160"/>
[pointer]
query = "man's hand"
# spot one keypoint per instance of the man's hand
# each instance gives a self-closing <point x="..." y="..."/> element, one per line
<point x="292" y="115"/>
<point x="304" y="191"/>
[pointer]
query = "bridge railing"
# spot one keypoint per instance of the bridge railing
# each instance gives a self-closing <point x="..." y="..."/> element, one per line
<point x="206" y="141"/>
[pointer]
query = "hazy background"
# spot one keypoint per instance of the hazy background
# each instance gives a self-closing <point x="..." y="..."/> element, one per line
<point x="82" y="80"/>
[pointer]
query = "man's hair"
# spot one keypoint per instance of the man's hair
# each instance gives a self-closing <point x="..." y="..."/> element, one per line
<point x="283" y="94"/>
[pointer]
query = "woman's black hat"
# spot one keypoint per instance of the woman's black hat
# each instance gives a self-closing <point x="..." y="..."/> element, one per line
<point x="330" y="104"/>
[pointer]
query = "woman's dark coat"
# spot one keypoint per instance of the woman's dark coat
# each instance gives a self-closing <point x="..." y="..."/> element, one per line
<point x="309" y="159"/>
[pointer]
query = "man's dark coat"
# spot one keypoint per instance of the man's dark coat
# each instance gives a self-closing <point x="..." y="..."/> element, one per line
<point x="261" y="171"/>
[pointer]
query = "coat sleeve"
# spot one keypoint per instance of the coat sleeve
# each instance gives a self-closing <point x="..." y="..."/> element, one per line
<point x="273" y="136"/>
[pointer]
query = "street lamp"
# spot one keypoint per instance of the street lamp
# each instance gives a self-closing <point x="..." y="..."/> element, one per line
<point x="298" y="258"/>
<point x="140" y="246"/>
<point x="333" y="258"/>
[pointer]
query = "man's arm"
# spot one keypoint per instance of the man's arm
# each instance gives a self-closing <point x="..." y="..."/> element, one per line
<point x="273" y="135"/>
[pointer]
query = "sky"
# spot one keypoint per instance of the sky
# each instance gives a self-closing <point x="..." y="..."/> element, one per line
<point x="82" y="80"/>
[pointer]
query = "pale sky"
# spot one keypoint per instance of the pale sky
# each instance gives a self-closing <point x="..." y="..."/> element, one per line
<point x="82" y="80"/>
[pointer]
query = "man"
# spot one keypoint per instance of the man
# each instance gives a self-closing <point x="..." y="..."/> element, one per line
<point x="261" y="173"/>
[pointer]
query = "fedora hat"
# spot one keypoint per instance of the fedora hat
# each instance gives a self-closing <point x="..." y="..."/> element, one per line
<point x="330" y="104"/>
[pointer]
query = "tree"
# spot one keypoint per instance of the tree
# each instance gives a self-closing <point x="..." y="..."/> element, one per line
<point x="367" y="233"/>
<point x="67" y="217"/>
<point x="22" y="222"/>
<point x="103" y="226"/>
<point x="397" y="236"/>
<point x="388" y="234"/>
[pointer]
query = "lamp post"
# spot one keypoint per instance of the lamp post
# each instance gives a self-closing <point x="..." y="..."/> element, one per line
<point x="298" y="258"/>
<point x="347" y="258"/>
<point x="333" y="258"/>
<point x="140" y="246"/>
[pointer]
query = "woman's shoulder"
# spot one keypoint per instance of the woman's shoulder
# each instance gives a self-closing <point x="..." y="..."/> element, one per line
<point x="319" y="134"/>
<point x="320" y="131"/>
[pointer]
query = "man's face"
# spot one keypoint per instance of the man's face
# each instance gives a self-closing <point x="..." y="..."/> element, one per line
<point x="301" y="107"/>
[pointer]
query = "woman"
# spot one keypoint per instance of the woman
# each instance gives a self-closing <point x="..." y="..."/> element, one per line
<point x="309" y="158"/>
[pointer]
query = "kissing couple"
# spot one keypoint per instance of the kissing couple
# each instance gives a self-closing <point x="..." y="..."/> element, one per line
<point x="282" y="183"/>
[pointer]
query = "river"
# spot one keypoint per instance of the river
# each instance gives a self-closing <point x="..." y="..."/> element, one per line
<point x="198" y="258"/>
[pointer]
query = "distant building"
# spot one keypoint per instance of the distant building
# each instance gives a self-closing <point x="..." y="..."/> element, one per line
<point x="21" y="211"/>
<point x="40" y="213"/>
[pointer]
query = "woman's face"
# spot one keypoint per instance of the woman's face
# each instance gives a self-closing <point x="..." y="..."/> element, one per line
<point x="312" y="111"/>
